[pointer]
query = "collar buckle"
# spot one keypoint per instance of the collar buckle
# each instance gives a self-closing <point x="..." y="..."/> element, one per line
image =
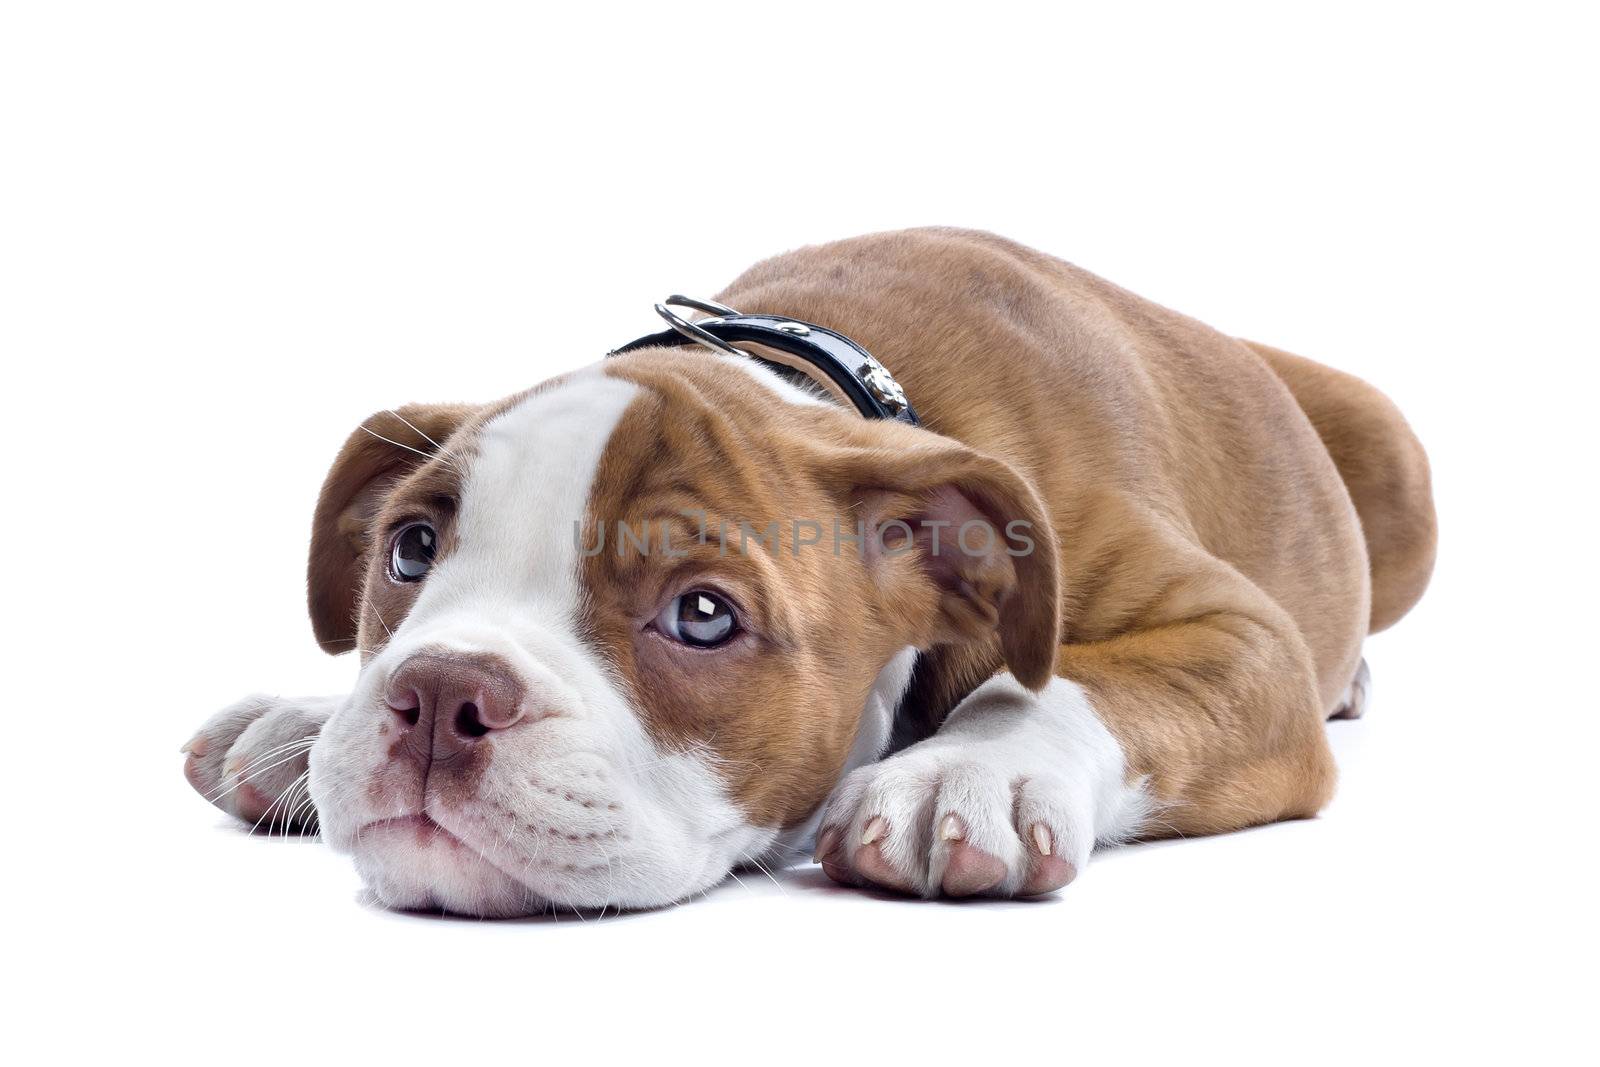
<point x="866" y="382"/>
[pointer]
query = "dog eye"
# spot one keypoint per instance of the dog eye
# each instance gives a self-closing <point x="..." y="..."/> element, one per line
<point x="699" y="619"/>
<point x="411" y="553"/>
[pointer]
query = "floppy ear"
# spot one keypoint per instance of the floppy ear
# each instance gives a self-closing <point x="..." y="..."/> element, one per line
<point x="974" y="533"/>
<point x="382" y="450"/>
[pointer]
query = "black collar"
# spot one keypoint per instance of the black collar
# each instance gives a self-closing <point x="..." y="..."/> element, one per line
<point x="868" y="384"/>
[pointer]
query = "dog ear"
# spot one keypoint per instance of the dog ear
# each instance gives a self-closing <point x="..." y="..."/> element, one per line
<point x="382" y="451"/>
<point x="967" y="533"/>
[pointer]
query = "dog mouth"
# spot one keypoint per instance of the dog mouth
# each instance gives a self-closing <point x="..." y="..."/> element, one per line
<point x="420" y="826"/>
<point x="421" y="833"/>
<point x="413" y="863"/>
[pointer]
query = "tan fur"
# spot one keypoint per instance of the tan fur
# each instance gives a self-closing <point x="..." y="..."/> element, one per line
<point x="1201" y="567"/>
<point x="1385" y="470"/>
<point x="781" y="713"/>
<point x="1215" y="580"/>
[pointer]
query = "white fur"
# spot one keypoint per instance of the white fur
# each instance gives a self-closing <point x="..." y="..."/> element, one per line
<point x="1004" y="760"/>
<point x="787" y="391"/>
<point x="580" y="807"/>
<point x="260" y="742"/>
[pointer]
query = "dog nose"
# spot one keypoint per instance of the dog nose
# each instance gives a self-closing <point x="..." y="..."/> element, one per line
<point x="455" y="698"/>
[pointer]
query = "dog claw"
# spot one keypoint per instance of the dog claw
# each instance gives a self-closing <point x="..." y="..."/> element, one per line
<point x="827" y="841"/>
<point x="954" y="826"/>
<point x="831" y="856"/>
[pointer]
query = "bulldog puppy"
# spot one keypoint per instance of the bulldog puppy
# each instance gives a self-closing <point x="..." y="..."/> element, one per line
<point x="1189" y="537"/>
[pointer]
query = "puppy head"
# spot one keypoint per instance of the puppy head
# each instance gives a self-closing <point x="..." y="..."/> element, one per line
<point x="620" y="633"/>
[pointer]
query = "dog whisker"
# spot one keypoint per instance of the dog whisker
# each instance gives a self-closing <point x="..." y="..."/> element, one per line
<point x="397" y="444"/>
<point x="414" y="428"/>
<point x="266" y="816"/>
<point x="758" y="866"/>
<point x="439" y="455"/>
<point x="256" y="770"/>
<point x="379" y="614"/>
<point x="255" y="766"/>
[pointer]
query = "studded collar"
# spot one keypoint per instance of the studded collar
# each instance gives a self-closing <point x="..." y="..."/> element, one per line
<point x="866" y="382"/>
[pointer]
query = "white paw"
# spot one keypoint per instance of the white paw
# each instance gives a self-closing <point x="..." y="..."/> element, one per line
<point x="1008" y="799"/>
<point x="250" y="760"/>
<point x="952" y="826"/>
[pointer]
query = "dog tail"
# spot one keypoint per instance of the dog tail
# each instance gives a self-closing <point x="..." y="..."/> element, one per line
<point x="1383" y="467"/>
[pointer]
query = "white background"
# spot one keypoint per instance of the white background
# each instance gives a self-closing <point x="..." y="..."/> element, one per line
<point x="229" y="232"/>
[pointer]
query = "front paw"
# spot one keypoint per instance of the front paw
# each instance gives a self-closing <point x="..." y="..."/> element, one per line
<point x="957" y="822"/>
<point x="250" y="760"/>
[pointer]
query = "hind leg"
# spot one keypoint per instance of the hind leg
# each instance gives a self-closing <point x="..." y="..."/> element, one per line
<point x="1353" y="704"/>
<point x="1385" y="470"/>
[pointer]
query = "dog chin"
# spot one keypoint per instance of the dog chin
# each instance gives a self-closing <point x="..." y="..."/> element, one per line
<point x="415" y="865"/>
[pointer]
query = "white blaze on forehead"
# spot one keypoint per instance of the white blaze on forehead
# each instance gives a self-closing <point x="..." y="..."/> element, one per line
<point x="527" y="486"/>
<point x="511" y="586"/>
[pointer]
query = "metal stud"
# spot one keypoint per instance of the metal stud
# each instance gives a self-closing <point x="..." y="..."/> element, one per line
<point x="881" y="384"/>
